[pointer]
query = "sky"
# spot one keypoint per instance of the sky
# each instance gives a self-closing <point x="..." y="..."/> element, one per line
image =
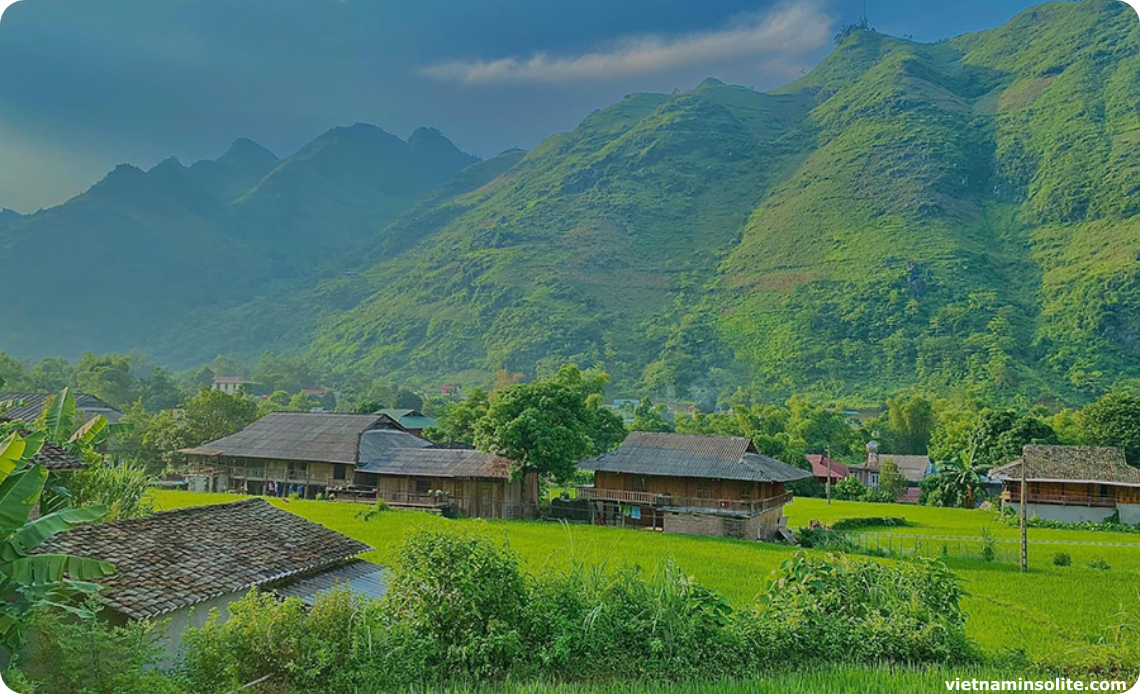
<point x="89" y="84"/>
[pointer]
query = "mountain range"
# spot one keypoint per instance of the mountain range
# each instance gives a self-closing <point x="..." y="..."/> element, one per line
<point x="959" y="215"/>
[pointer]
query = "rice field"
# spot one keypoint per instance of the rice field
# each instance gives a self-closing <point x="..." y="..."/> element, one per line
<point x="1073" y="614"/>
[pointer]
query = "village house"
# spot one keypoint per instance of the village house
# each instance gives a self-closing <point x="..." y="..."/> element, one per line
<point x="1072" y="484"/>
<point x="824" y="468"/>
<point x="703" y="485"/>
<point x="179" y="565"/>
<point x="229" y="384"/>
<point x="29" y="406"/>
<point x="412" y="420"/>
<point x="302" y="453"/>
<point x="448" y="480"/>
<point x="914" y="468"/>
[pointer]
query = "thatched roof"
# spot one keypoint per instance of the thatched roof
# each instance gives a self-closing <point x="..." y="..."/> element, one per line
<point x="181" y="558"/>
<point x="684" y="455"/>
<point x="324" y="437"/>
<point x="1090" y="464"/>
<point x="438" y="462"/>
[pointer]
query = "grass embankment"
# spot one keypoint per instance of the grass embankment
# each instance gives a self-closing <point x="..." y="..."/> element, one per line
<point x="1053" y="613"/>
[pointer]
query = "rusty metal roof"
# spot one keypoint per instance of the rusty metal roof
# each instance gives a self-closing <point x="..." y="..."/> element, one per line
<point x="180" y="558"/>
<point x="685" y="455"/>
<point x="1092" y="464"/>
<point x="437" y="462"/>
<point x="324" y="437"/>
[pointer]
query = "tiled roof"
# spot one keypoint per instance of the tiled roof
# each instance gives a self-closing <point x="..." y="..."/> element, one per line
<point x="821" y="464"/>
<point x="438" y="462"/>
<point x="180" y="558"/>
<point x="50" y="455"/>
<point x="34" y="404"/>
<point x="324" y="437"/>
<point x="1093" y="464"/>
<point x="913" y="467"/>
<point x="684" y="455"/>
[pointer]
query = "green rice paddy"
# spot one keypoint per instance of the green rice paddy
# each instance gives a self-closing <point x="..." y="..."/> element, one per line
<point x="1073" y="616"/>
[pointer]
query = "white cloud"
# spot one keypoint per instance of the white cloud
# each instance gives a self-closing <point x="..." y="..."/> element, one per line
<point x="783" y="34"/>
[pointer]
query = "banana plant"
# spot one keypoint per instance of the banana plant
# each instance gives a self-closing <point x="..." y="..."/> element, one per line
<point x="31" y="581"/>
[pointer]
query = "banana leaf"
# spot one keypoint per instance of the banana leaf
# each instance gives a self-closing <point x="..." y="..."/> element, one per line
<point x="34" y="534"/>
<point x="19" y="494"/>
<point x="49" y="568"/>
<point x="60" y="415"/>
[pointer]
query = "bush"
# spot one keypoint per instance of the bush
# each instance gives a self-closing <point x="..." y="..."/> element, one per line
<point x="870" y="522"/>
<point x="1099" y="563"/>
<point x="842" y="609"/>
<point x="1062" y="559"/>
<point x="82" y="654"/>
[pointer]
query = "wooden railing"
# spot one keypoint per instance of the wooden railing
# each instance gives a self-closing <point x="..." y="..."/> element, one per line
<point x="423" y="500"/>
<point x="287" y="477"/>
<point x="1060" y="499"/>
<point x="750" y="506"/>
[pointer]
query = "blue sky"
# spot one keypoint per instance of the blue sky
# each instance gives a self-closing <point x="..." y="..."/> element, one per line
<point x="87" y="84"/>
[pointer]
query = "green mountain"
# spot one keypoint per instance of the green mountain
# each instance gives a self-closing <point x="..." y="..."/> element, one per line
<point x="960" y="215"/>
<point x="128" y="259"/>
<point x="951" y="215"/>
<point x="9" y="217"/>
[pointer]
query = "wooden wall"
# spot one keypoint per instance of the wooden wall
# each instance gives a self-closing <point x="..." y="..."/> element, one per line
<point x="687" y="487"/>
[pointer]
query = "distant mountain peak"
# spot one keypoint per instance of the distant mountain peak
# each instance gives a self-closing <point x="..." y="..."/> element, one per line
<point x="244" y="149"/>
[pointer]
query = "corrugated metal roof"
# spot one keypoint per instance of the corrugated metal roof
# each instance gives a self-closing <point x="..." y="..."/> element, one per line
<point x="438" y="462"/>
<point x="325" y="437"/>
<point x="683" y="455"/>
<point x="180" y="558"/>
<point x="360" y="577"/>
<point x="1092" y="464"/>
<point x="410" y="419"/>
<point x="34" y="403"/>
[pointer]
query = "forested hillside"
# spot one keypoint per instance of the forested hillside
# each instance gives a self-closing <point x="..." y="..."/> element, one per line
<point x="959" y="215"/>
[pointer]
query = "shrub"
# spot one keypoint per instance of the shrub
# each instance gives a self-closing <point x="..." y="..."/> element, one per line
<point x="843" y="609"/>
<point x="870" y="522"/>
<point x="989" y="544"/>
<point x="1062" y="559"/>
<point x="1099" y="563"/>
<point x="83" y="654"/>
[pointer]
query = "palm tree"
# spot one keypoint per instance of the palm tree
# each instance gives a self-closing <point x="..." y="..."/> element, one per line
<point x="33" y="581"/>
<point x="962" y="478"/>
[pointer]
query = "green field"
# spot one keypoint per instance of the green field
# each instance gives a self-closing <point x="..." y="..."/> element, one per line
<point x="1070" y="616"/>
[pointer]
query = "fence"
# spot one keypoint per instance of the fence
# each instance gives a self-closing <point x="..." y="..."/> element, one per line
<point x="1000" y="549"/>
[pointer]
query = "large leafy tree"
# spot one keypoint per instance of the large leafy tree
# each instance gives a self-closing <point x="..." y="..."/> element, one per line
<point x="209" y="415"/>
<point x="108" y="377"/>
<point x="28" y="581"/>
<point x="547" y="426"/>
<point x="456" y="422"/>
<point x="891" y="479"/>
<point x="911" y="421"/>
<point x="1000" y="435"/>
<point x="649" y="417"/>
<point x="1114" y="420"/>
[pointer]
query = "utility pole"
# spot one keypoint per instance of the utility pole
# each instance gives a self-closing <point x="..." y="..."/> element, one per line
<point x="1025" y="541"/>
<point x="827" y="480"/>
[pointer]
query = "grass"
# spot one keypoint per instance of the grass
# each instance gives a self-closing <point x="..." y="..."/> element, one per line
<point x="1051" y="613"/>
<point x="832" y="680"/>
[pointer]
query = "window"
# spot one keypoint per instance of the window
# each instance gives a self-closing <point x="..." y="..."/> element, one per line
<point x="641" y="483"/>
<point x="423" y="486"/>
<point x="704" y="490"/>
<point x="340" y="471"/>
<point x="298" y="470"/>
<point x="745" y="490"/>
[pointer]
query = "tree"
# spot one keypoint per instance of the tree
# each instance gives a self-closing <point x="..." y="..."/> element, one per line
<point x="547" y="426"/>
<point x="209" y="415"/>
<point x="650" y="417"/>
<point x="107" y="377"/>
<point x="456" y="423"/>
<point x="1114" y="420"/>
<point x="848" y="489"/>
<point x="13" y="374"/>
<point x="891" y="480"/>
<point x="911" y="423"/>
<point x="1001" y="434"/>
<point x="407" y="400"/>
<point x="958" y="482"/>
<point x="29" y="583"/>
<point x="51" y="375"/>
<point x="159" y="391"/>
<point x="281" y="373"/>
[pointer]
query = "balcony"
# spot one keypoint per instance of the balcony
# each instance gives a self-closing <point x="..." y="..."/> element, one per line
<point x="1014" y="497"/>
<point x="417" y="499"/>
<point x="666" y="501"/>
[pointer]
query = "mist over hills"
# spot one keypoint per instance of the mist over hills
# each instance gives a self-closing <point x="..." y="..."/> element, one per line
<point x="951" y="215"/>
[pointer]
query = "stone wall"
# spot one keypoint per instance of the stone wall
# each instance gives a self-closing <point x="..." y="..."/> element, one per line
<point x="759" y="527"/>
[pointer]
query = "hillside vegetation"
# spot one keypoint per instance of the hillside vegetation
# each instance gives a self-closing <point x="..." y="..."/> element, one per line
<point x="955" y="216"/>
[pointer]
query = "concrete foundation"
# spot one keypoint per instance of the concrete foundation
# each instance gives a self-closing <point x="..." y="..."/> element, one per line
<point x="1129" y="513"/>
<point x="762" y="526"/>
<point x="1067" y="514"/>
